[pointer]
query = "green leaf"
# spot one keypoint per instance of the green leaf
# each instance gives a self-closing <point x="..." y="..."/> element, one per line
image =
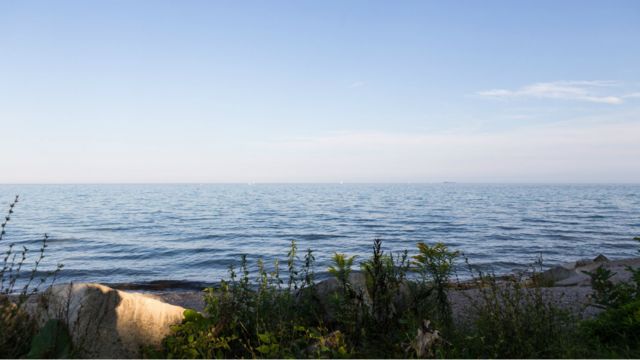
<point x="299" y="328"/>
<point x="263" y="349"/>
<point x="191" y="315"/>
<point x="264" y="338"/>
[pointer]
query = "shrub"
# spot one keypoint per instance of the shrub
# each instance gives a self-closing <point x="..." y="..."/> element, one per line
<point x="435" y="264"/>
<point x="341" y="270"/>
<point x="615" y="331"/>
<point x="347" y="302"/>
<point x="257" y="317"/>
<point x="261" y="317"/>
<point x="513" y="318"/>
<point x="384" y="277"/>
<point x="383" y="317"/>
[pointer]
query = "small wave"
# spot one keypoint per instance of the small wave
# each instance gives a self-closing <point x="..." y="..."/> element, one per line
<point x="120" y="228"/>
<point x="162" y="285"/>
<point x="202" y="237"/>
<point x="143" y="253"/>
<point x="422" y="222"/>
<point x="87" y="275"/>
<point x="549" y="221"/>
<point x="317" y="236"/>
<point x="559" y="236"/>
<point x="451" y="228"/>
<point x="374" y="226"/>
<point x="594" y="217"/>
<point x="500" y="237"/>
<point x="509" y="228"/>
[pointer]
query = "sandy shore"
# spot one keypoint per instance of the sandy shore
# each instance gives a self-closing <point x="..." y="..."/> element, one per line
<point x="575" y="298"/>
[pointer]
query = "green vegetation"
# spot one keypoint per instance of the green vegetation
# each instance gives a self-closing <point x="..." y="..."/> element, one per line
<point x="515" y="318"/>
<point x="617" y="329"/>
<point x="400" y="308"/>
<point x="435" y="266"/>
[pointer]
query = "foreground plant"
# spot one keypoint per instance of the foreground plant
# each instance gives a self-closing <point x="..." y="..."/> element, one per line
<point x="384" y="311"/>
<point x="259" y="317"/>
<point x="435" y="264"/>
<point x="16" y="327"/>
<point x="513" y="317"/>
<point x="616" y="330"/>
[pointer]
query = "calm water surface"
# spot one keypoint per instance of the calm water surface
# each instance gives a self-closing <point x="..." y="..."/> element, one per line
<point x="138" y="233"/>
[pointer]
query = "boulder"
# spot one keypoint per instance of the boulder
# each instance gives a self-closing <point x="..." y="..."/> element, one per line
<point x="106" y="323"/>
<point x="582" y="262"/>
<point x="326" y="289"/>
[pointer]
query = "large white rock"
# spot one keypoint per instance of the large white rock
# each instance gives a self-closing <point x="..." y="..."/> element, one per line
<point x="107" y="323"/>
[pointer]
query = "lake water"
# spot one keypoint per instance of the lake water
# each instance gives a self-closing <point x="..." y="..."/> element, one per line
<point x="141" y="233"/>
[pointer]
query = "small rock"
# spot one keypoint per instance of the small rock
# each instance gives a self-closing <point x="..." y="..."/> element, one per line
<point x="426" y="340"/>
<point x="601" y="258"/>
<point x="583" y="262"/>
<point x="557" y="273"/>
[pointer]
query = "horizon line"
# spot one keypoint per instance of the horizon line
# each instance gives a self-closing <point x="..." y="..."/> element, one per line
<point x="445" y="182"/>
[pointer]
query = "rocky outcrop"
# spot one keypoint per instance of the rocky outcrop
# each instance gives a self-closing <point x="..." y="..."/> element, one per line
<point x="106" y="323"/>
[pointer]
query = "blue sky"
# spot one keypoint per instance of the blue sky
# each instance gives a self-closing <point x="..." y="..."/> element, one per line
<point x="319" y="91"/>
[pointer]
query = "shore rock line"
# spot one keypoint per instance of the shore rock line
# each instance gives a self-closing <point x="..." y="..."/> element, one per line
<point x="573" y="273"/>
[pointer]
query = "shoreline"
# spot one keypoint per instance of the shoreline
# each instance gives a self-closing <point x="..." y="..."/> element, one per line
<point x="129" y="317"/>
<point x="171" y="285"/>
<point x="565" y="280"/>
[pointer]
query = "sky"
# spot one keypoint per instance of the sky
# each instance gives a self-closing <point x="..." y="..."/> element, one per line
<point x="319" y="91"/>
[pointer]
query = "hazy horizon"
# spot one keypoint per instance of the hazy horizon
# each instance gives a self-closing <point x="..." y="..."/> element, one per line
<point x="443" y="182"/>
<point x="319" y="92"/>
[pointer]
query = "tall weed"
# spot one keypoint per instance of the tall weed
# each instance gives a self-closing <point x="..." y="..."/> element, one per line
<point x="16" y="327"/>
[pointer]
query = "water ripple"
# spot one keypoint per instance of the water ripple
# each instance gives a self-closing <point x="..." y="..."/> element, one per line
<point x="137" y="233"/>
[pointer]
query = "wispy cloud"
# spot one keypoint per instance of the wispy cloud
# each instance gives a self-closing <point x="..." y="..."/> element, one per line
<point x="589" y="91"/>
<point x="357" y="84"/>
